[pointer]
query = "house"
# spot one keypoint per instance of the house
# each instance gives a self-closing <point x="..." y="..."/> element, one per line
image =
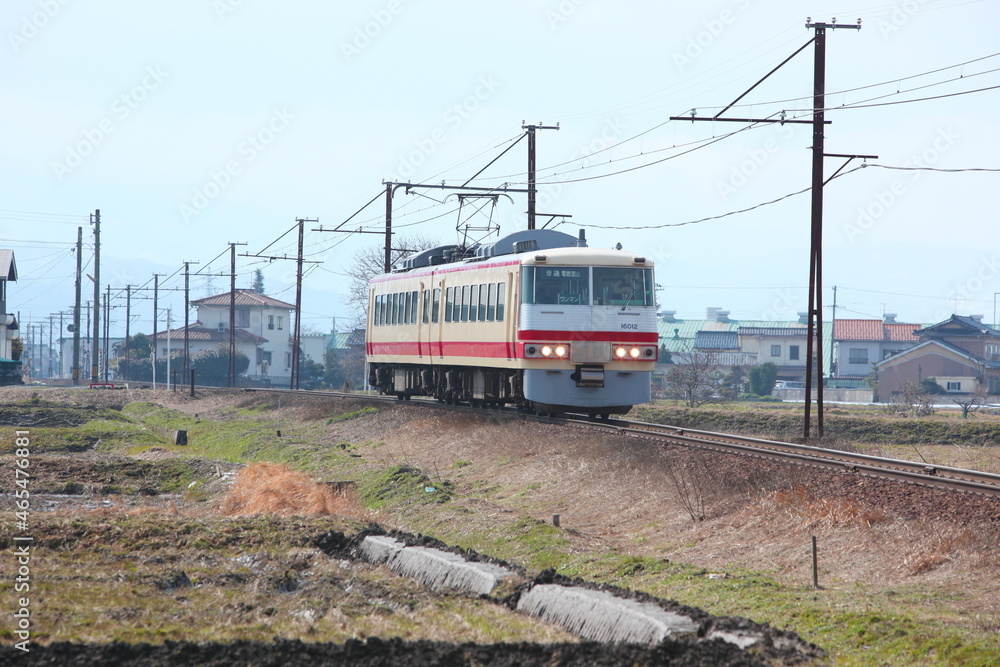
<point x="860" y="343"/>
<point x="262" y="331"/>
<point x="785" y="347"/>
<point x="10" y="367"/>
<point x="961" y="354"/>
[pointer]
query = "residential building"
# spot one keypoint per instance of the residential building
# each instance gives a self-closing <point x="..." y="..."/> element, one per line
<point x="262" y="331"/>
<point x="10" y="370"/>
<point x="961" y="354"/>
<point x="860" y="343"/>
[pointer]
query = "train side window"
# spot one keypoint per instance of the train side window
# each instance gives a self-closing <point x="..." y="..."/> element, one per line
<point x="436" y="307"/>
<point x="491" y="305"/>
<point x="426" y="310"/>
<point x="385" y="312"/>
<point x="391" y="317"/>
<point x="527" y="285"/>
<point x="465" y="302"/>
<point x="474" y="304"/>
<point x="414" y="299"/>
<point x="401" y="307"/>
<point x="500" y="298"/>
<point x="456" y="311"/>
<point x="449" y="303"/>
<point x="376" y="310"/>
<point x="482" y="303"/>
<point x="405" y="319"/>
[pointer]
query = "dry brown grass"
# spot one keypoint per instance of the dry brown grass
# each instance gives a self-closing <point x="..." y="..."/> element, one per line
<point x="270" y="488"/>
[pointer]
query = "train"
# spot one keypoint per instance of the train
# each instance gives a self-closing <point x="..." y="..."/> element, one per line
<point x="536" y="319"/>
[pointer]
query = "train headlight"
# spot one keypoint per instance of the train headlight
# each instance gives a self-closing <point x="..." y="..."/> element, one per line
<point x="560" y="350"/>
<point x="634" y="353"/>
<point x="620" y="352"/>
<point x="546" y="350"/>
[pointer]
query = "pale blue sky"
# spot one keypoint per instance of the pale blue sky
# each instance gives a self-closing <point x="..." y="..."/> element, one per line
<point x="192" y="124"/>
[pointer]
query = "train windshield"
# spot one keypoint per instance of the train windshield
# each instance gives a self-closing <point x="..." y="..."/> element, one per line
<point x="621" y="286"/>
<point x="572" y="285"/>
<point x="556" y="285"/>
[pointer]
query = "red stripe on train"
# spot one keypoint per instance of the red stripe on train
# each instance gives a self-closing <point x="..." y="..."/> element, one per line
<point x="646" y="337"/>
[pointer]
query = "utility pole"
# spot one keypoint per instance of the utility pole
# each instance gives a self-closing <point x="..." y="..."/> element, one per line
<point x="95" y="341"/>
<point x="531" y="166"/>
<point x="60" y="357"/>
<point x="107" y="331"/>
<point x="128" y="322"/>
<point x="156" y="294"/>
<point x="232" y="312"/>
<point x="387" y="263"/>
<point x="297" y="339"/>
<point x="76" y="306"/>
<point x="814" y="334"/>
<point x="187" y="308"/>
<point x="90" y="340"/>
<point x="50" y="346"/>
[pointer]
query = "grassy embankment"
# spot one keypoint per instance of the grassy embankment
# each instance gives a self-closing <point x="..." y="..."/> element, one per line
<point x="89" y="554"/>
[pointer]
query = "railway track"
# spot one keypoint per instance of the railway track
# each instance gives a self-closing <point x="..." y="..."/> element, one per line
<point x="934" y="476"/>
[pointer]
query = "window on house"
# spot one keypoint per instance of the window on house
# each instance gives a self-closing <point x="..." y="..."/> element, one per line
<point x="857" y="355"/>
<point x="270" y="322"/>
<point x="793" y="352"/>
<point x="954" y="386"/>
<point x="265" y="357"/>
<point x="281" y="322"/>
<point x="993" y="352"/>
<point x="288" y="359"/>
<point x="775" y="350"/>
<point x="242" y="317"/>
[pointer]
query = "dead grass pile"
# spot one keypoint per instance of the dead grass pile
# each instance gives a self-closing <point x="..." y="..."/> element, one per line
<point x="270" y="488"/>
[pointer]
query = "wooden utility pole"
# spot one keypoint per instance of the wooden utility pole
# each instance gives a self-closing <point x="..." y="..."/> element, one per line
<point x="297" y="336"/>
<point x="531" y="166"/>
<point x="814" y="333"/>
<point x="156" y="315"/>
<point x="128" y="322"/>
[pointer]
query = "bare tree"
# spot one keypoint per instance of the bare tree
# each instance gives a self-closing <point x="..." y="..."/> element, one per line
<point x="912" y="400"/>
<point x="972" y="403"/>
<point x="695" y="378"/>
<point x="369" y="263"/>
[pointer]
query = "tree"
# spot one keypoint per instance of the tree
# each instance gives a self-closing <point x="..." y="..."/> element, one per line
<point x="16" y="348"/>
<point x="972" y="403"/>
<point x="763" y="378"/>
<point x="212" y="366"/>
<point x="930" y="386"/>
<point x="258" y="282"/>
<point x="369" y="263"/>
<point x="911" y="399"/>
<point x="311" y="373"/>
<point x="694" y="379"/>
<point x="734" y="383"/>
<point x="333" y="375"/>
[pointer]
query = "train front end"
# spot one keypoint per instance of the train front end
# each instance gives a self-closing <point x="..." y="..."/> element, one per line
<point x="586" y="331"/>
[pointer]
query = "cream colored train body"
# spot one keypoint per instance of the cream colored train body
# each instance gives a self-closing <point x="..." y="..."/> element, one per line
<point x="534" y="320"/>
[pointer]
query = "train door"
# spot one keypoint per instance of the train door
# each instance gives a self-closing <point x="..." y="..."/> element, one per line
<point x="422" y="321"/>
<point x="512" y="309"/>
